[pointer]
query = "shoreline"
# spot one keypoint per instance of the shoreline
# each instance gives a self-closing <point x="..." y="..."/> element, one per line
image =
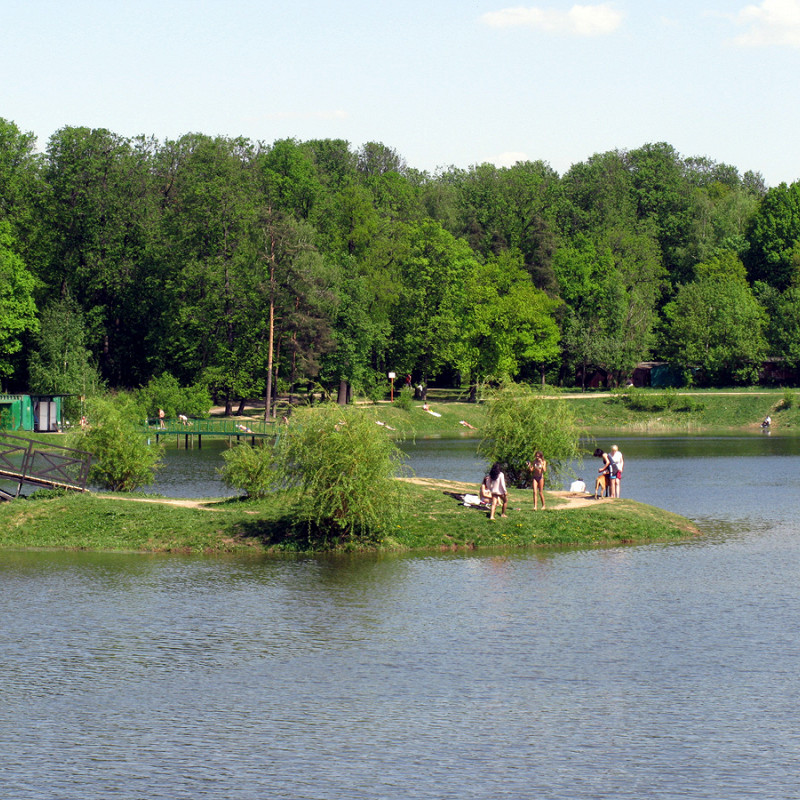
<point x="432" y="520"/>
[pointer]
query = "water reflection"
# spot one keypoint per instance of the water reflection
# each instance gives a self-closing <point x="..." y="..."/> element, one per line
<point x="623" y="673"/>
<point x="619" y="673"/>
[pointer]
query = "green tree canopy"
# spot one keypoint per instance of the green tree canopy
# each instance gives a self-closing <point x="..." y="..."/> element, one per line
<point x="17" y="306"/>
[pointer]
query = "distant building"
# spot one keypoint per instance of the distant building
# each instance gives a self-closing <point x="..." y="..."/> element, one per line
<point x="31" y="412"/>
<point x="657" y="374"/>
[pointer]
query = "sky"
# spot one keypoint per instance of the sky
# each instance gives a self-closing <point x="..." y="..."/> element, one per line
<point x="443" y="82"/>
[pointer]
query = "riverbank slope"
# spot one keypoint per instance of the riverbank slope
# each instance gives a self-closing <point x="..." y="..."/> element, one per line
<point x="603" y="412"/>
<point x="433" y="518"/>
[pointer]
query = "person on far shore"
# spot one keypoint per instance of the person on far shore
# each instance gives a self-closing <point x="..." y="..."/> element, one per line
<point x="538" y="468"/>
<point x="161" y="417"/>
<point x="497" y="486"/>
<point x="617" y="463"/>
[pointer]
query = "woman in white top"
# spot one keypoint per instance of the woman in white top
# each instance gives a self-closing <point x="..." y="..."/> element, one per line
<point x="497" y="486"/>
<point x="617" y="463"/>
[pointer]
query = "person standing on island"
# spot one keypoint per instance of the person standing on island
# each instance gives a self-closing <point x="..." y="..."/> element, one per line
<point x="537" y="468"/>
<point x="617" y="463"/>
<point x="603" y="477"/>
<point x="497" y="486"/>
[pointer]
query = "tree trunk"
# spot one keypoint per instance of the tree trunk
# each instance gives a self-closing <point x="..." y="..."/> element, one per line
<point x="270" y="346"/>
<point x="342" y="398"/>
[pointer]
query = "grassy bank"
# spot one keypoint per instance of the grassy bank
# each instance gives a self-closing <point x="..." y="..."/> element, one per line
<point x="433" y="520"/>
<point x="640" y="411"/>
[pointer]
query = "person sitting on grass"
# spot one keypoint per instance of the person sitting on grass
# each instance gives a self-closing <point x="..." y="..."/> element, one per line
<point x="485" y="493"/>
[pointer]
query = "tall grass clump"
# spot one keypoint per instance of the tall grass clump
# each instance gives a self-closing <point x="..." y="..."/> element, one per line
<point x="518" y="423"/>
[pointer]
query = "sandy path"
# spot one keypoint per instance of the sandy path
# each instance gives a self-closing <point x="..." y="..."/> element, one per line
<point x="203" y="505"/>
<point x="569" y="499"/>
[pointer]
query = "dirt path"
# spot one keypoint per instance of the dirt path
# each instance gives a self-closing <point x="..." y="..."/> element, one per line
<point x="203" y="505"/>
<point x="568" y="499"/>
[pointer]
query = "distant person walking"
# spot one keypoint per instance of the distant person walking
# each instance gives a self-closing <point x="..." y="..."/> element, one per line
<point x="497" y="486"/>
<point x="538" y="468"/>
<point x="161" y="417"/>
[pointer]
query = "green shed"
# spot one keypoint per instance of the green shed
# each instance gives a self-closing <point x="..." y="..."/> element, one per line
<point x="26" y="412"/>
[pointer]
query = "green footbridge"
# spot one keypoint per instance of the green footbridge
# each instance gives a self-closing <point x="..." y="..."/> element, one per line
<point x="191" y="431"/>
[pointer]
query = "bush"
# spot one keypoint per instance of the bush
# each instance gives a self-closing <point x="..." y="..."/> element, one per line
<point x="518" y="423"/>
<point x="787" y="401"/>
<point x="122" y="458"/>
<point x="248" y="468"/>
<point x="344" y="466"/>
<point x="165" y="392"/>
<point x="654" y="402"/>
<point x="405" y="398"/>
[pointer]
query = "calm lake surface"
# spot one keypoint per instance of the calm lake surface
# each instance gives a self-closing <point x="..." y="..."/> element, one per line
<point x="662" y="671"/>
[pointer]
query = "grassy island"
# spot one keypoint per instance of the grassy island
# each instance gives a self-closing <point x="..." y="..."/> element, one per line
<point x="433" y="520"/>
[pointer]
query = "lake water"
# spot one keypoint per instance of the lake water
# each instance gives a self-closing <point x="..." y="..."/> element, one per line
<point x="660" y="671"/>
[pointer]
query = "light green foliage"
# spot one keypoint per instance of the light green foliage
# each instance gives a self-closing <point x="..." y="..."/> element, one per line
<point x="61" y="363"/>
<point x="17" y="307"/>
<point x="774" y="255"/>
<point x="716" y="325"/>
<point x="611" y="287"/>
<point x="344" y="466"/>
<point x="783" y="328"/>
<point x="249" y="467"/>
<point x="404" y="398"/>
<point x="122" y="459"/>
<point x="509" y="324"/>
<point x="518" y="423"/>
<point x="428" y="321"/>
<point x="166" y="393"/>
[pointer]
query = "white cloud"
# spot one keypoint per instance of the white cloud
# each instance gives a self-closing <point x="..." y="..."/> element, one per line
<point x="507" y="159"/>
<point x="594" y="20"/>
<point x="769" y="23"/>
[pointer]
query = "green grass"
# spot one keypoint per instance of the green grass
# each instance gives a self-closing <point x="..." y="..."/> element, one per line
<point x="433" y="520"/>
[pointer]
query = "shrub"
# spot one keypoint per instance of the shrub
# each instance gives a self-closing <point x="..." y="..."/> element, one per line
<point x="344" y="466"/>
<point x="248" y="468"/>
<point x="405" y="398"/>
<point x="165" y="392"/>
<point x="122" y="458"/>
<point x="787" y="401"/>
<point x="518" y="423"/>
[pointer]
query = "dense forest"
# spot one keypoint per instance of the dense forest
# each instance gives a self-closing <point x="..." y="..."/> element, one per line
<point x="249" y="267"/>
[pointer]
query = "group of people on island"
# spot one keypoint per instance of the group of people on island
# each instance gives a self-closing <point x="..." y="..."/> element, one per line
<point x="493" y="492"/>
<point x="609" y="476"/>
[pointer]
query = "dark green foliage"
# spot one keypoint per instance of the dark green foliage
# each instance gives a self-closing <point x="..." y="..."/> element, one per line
<point x="245" y="266"/>
<point x="651" y="402"/>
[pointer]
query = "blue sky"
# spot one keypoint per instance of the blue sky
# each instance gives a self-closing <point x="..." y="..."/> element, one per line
<point x="442" y="82"/>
